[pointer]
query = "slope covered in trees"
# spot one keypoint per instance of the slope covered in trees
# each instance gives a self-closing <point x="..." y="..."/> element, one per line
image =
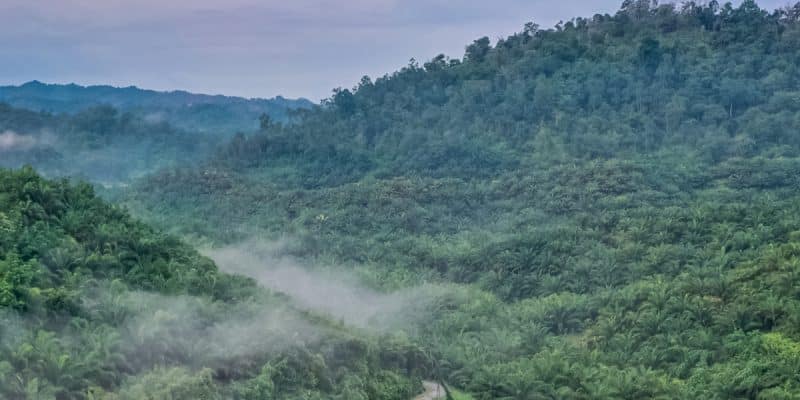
<point x="101" y="143"/>
<point x="95" y="305"/>
<point x="613" y="202"/>
<point x="195" y="112"/>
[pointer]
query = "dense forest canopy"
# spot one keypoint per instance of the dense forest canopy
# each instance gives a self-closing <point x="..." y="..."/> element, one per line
<point x="616" y="199"/>
<point x="96" y="305"/>
<point x="190" y="111"/>
<point x="707" y="77"/>
<point x="605" y="209"/>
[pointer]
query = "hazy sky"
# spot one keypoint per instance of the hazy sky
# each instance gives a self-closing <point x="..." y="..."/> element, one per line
<point x="253" y="48"/>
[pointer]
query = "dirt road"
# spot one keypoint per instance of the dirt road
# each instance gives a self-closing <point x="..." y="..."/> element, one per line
<point x="433" y="391"/>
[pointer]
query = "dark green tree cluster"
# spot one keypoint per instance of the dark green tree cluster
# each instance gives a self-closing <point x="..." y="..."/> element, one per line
<point x="719" y="78"/>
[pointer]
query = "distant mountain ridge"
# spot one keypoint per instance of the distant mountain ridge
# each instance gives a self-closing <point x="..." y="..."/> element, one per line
<point x="199" y="112"/>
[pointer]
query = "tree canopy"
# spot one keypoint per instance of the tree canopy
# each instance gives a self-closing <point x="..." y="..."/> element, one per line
<point x="613" y="201"/>
<point x="605" y="209"/>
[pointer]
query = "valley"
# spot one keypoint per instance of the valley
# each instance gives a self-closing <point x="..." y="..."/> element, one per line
<point x="602" y="209"/>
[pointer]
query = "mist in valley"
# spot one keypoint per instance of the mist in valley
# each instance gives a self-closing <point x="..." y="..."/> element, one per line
<point x="15" y="141"/>
<point x="331" y="290"/>
<point x="607" y="207"/>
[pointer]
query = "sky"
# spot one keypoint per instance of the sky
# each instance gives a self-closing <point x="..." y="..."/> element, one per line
<point x="252" y="48"/>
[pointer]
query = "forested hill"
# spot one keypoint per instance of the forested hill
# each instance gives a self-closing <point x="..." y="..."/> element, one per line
<point x="96" y="305"/>
<point x="717" y="82"/>
<point x="100" y="144"/>
<point x="617" y="197"/>
<point x="196" y="112"/>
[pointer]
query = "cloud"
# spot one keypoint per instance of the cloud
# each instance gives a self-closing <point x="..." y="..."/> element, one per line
<point x="12" y="141"/>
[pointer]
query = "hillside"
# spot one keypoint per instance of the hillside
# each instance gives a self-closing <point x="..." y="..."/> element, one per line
<point x="100" y="144"/>
<point x="196" y="112"/>
<point x="95" y="305"/>
<point x="613" y="202"/>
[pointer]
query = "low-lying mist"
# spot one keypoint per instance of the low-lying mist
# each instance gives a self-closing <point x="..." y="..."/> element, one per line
<point x="14" y="141"/>
<point x="151" y="329"/>
<point x="192" y="327"/>
<point x="135" y="330"/>
<point x="331" y="290"/>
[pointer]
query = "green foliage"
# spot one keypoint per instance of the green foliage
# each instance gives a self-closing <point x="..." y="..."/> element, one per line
<point x="95" y="305"/>
<point x="610" y="206"/>
<point x="606" y="209"/>
<point x="168" y="384"/>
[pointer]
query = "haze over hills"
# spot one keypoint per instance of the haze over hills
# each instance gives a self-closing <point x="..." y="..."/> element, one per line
<point x="605" y="209"/>
<point x="190" y="111"/>
<point x="99" y="144"/>
<point x="109" y="135"/>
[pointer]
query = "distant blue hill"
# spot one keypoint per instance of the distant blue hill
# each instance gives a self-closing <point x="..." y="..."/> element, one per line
<point x="196" y="112"/>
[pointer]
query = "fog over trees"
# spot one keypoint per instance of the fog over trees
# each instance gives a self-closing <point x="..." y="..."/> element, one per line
<point x="604" y="209"/>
